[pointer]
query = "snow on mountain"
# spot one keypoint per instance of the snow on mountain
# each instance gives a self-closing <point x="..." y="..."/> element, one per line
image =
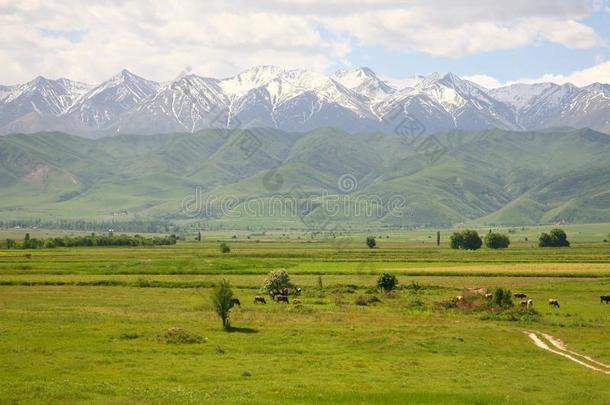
<point x="295" y="100"/>
<point x="40" y="96"/>
<point x="103" y="104"/>
<point x="365" y="82"/>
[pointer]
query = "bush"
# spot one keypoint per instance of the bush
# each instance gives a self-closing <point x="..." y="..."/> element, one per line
<point x="178" y="335"/>
<point x="224" y="248"/>
<point x="502" y="298"/>
<point x="370" y="242"/>
<point x="276" y="280"/>
<point x="387" y="282"/>
<point x="556" y="238"/>
<point x="496" y="241"/>
<point x="467" y="239"/>
<point x="222" y="302"/>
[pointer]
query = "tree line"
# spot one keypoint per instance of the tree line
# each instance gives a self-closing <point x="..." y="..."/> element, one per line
<point x="94" y="226"/>
<point x="89" y="240"/>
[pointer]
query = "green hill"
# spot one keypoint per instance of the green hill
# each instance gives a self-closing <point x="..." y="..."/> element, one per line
<point x="266" y="177"/>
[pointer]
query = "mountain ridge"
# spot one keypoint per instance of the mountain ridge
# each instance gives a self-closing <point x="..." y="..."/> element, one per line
<point x="295" y="100"/>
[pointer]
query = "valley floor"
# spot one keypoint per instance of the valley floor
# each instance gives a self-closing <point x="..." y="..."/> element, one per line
<point x="90" y="325"/>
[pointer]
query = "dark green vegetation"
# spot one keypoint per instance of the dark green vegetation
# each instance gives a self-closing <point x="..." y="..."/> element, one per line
<point x="89" y="240"/>
<point x="222" y="302"/>
<point x="495" y="240"/>
<point x="387" y="282"/>
<point x="491" y="177"/>
<point x="371" y="242"/>
<point x="136" y="325"/>
<point x="467" y="239"/>
<point x="555" y="238"/>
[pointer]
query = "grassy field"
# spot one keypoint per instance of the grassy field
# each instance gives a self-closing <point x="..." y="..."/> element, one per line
<point x="89" y="324"/>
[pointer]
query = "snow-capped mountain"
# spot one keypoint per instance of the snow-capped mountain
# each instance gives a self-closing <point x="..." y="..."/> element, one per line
<point x="295" y="100"/>
<point x="103" y="105"/>
<point x="38" y="100"/>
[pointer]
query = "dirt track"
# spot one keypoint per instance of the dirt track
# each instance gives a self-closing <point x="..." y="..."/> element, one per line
<point x="554" y="345"/>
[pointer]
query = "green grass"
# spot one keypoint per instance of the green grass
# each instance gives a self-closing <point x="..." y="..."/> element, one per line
<point x="88" y="325"/>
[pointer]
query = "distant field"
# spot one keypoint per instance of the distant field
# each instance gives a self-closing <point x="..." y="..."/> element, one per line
<point x="87" y="324"/>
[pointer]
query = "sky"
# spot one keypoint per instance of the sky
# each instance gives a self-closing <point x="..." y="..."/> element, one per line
<point x="490" y="42"/>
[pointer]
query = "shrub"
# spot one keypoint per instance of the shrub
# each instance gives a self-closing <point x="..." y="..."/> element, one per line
<point x="276" y="280"/>
<point x="467" y="239"/>
<point x="556" y="238"/>
<point x="222" y="302"/>
<point x="224" y="248"/>
<point x="387" y="282"/>
<point x="178" y="335"/>
<point x="502" y="298"/>
<point x="370" y="242"/>
<point x="496" y="241"/>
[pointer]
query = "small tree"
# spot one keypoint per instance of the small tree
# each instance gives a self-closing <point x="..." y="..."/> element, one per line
<point x="199" y="236"/>
<point x="467" y="239"/>
<point x="370" y="242"/>
<point x="456" y="241"/>
<point x="276" y="280"/>
<point x="387" y="282"/>
<point x="556" y="238"/>
<point x="222" y="302"/>
<point x="224" y="248"/>
<point x="496" y="241"/>
<point x="502" y="298"/>
<point x="438" y="238"/>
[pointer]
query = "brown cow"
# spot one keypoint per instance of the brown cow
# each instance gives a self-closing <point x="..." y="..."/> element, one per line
<point x="235" y="301"/>
<point x="520" y="295"/>
<point x="259" y="300"/>
<point x="489" y="296"/>
<point x="282" y="298"/>
<point x="296" y="302"/>
<point x="553" y="302"/>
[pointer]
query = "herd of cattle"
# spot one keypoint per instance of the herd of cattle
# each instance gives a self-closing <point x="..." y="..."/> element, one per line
<point x="524" y="303"/>
<point x="283" y="296"/>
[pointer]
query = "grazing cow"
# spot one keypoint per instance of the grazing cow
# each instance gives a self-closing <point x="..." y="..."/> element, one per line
<point x="282" y="298"/>
<point x="604" y="299"/>
<point x="520" y="295"/>
<point x="235" y="301"/>
<point x="296" y="302"/>
<point x="523" y="304"/>
<point x="284" y="291"/>
<point x="297" y="291"/>
<point x="489" y="296"/>
<point x="459" y="298"/>
<point x="259" y="300"/>
<point x="553" y="302"/>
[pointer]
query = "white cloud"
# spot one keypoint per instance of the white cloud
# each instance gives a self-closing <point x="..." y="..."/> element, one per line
<point x="594" y="74"/>
<point x="158" y="39"/>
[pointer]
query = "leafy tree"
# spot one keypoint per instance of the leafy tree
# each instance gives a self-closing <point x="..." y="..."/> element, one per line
<point x="276" y="280"/>
<point x="467" y="239"/>
<point x="496" y="241"/>
<point x="224" y="248"/>
<point x="502" y="298"/>
<point x="456" y="241"/>
<point x="387" y="282"/>
<point x="438" y="238"/>
<point x="370" y="242"/>
<point x="222" y="302"/>
<point x="10" y="243"/>
<point x="556" y="238"/>
<point x="199" y="236"/>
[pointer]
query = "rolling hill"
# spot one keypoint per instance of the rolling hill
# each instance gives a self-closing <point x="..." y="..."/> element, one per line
<point x="319" y="179"/>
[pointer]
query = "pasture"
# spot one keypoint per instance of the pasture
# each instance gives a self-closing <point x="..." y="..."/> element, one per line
<point x="90" y="324"/>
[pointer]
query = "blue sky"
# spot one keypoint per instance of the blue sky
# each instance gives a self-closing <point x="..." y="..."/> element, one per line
<point x="492" y="42"/>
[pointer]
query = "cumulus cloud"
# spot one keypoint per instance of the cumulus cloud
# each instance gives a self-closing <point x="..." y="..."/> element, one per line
<point x="92" y="40"/>
<point x="599" y="73"/>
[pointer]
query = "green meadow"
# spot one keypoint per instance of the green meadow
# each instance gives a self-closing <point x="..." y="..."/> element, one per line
<point x="93" y="325"/>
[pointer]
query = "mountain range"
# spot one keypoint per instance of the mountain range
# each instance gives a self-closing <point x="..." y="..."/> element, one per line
<point x="559" y="175"/>
<point x="295" y="101"/>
